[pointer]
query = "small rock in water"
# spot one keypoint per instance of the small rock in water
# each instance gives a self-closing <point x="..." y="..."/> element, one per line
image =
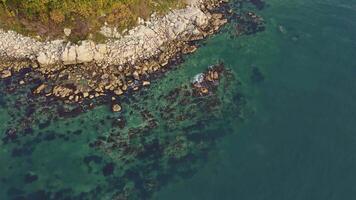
<point x="204" y="90"/>
<point x="199" y="78"/>
<point x="116" y="108"/>
<point x="282" y="29"/>
<point x="145" y="83"/>
<point x="39" y="89"/>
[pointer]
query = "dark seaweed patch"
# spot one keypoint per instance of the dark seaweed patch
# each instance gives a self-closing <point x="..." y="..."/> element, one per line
<point x="15" y="192"/>
<point x="30" y="177"/>
<point x="69" y="112"/>
<point x="108" y="169"/>
<point x="10" y="135"/>
<point x="44" y="124"/>
<point x="260" y="4"/>
<point x="50" y="136"/>
<point x="30" y="109"/>
<point x="93" y="158"/>
<point x="257" y="76"/>
<point x="120" y="122"/>
<point x="21" y="151"/>
<point x="28" y="131"/>
<point x="38" y="195"/>
<point x="77" y="132"/>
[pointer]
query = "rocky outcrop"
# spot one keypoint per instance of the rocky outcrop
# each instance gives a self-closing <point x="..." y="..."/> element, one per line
<point x="205" y="83"/>
<point x="74" y="72"/>
<point x="142" y="42"/>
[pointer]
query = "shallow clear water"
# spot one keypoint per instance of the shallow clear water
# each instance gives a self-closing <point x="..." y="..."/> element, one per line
<point x="294" y="138"/>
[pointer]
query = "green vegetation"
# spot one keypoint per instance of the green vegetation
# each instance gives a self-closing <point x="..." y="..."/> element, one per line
<point x="47" y="18"/>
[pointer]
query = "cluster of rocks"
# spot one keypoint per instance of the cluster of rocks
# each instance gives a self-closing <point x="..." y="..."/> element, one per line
<point x="74" y="72"/>
<point x="205" y="83"/>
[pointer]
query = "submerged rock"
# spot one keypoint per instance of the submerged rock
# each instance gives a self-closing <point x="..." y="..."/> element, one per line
<point x="199" y="78"/>
<point x="40" y="88"/>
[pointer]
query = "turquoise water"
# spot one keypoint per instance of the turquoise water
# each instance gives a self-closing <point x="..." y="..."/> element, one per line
<point x="300" y="144"/>
<point x="287" y="134"/>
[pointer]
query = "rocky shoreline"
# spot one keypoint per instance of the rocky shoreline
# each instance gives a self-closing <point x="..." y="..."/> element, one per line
<point x="75" y="72"/>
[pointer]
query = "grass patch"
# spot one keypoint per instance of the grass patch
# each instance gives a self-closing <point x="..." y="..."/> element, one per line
<point x="48" y="18"/>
